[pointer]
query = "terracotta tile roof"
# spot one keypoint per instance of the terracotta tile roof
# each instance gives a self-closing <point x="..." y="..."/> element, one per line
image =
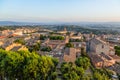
<point x="69" y="51"/>
<point x="115" y="56"/>
<point x="105" y="56"/>
<point x="2" y="37"/>
<point x="6" y="44"/>
<point x="16" y="48"/>
<point x="96" y="41"/>
<point x="95" y="58"/>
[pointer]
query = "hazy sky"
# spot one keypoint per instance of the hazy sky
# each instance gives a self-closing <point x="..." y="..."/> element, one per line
<point x="60" y="10"/>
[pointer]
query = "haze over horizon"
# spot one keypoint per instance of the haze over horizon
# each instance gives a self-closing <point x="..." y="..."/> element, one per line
<point x="60" y="10"/>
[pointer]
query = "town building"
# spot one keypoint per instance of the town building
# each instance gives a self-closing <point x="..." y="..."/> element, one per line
<point x="69" y="55"/>
<point x="97" y="46"/>
<point x="101" y="60"/>
<point x="62" y="32"/>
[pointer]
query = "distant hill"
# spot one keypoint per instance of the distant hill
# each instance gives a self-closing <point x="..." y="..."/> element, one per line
<point x="3" y="23"/>
<point x="6" y="23"/>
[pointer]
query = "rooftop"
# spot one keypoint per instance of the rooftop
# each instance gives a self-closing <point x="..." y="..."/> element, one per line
<point x="97" y="41"/>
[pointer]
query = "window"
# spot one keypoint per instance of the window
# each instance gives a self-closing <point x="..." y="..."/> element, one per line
<point x="102" y="46"/>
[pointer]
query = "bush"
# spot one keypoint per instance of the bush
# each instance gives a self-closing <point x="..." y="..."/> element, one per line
<point x="57" y="38"/>
<point x="69" y="45"/>
<point x="20" y="41"/>
<point x="117" y="50"/>
<point x="42" y="37"/>
<point x="47" y="49"/>
<point x="83" y="62"/>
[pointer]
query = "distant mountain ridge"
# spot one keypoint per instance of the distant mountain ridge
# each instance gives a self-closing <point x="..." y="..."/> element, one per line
<point x="7" y="23"/>
<point x="3" y="23"/>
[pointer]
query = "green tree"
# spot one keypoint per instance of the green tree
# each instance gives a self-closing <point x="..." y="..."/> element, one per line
<point x="42" y="37"/>
<point x="117" y="50"/>
<point x="35" y="47"/>
<point x="20" y="41"/>
<point x="83" y="62"/>
<point x="71" y="71"/>
<point x="75" y="40"/>
<point x="69" y="45"/>
<point x="119" y="76"/>
<point x="55" y="61"/>
<point x="53" y="76"/>
<point x="80" y="71"/>
<point x="83" y="53"/>
<point x="23" y="65"/>
<point x="99" y="76"/>
<point x="10" y="65"/>
<point x="47" y="49"/>
<point x="56" y="37"/>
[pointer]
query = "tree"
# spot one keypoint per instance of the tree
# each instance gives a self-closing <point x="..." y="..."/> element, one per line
<point x="83" y="53"/>
<point x="53" y="76"/>
<point x="47" y="49"/>
<point x="69" y="45"/>
<point x="23" y="65"/>
<point x="71" y="76"/>
<point x="11" y="64"/>
<point x="75" y="40"/>
<point x="20" y="41"/>
<point x="117" y="47"/>
<point x="55" y="61"/>
<point x="71" y="71"/>
<point x="56" y="37"/>
<point x="80" y="71"/>
<point x="119" y="76"/>
<point x="83" y="62"/>
<point x="117" y="50"/>
<point x="87" y="77"/>
<point x="42" y="37"/>
<point x="99" y="76"/>
<point x="35" y="47"/>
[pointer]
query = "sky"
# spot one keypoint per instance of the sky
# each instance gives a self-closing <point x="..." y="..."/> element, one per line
<point x="60" y="10"/>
